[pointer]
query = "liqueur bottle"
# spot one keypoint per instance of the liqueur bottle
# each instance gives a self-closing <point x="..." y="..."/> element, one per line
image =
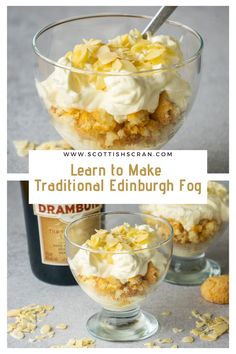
<point x="45" y="226"/>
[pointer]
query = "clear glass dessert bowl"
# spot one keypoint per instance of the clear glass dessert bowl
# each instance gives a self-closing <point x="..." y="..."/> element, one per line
<point x="196" y="227"/>
<point x="118" y="261"/>
<point x="117" y="91"/>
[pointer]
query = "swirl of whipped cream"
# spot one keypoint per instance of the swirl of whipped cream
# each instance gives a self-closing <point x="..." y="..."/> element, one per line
<point x="123" y="266"/>
<point x="124" y="94"/>
<point x="129" y="94"/>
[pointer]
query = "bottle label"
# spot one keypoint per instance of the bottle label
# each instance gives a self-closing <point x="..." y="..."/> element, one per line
<point x="52" y="221"/>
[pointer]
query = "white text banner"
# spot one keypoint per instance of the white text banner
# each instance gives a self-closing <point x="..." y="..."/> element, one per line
<point x="118" y="177"/>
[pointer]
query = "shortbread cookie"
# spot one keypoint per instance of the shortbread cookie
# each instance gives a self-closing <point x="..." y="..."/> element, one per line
<point x="216" y="289"/>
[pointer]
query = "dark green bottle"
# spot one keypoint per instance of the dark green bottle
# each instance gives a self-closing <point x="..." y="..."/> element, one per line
<point x="45" y="226"/>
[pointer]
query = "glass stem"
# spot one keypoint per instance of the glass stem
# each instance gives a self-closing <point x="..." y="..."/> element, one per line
<point x="119" y="318"/>
<point x="188" y="265"/>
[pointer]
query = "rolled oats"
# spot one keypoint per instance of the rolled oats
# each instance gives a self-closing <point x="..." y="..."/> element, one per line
<point x="24" y="146"/>
<point x="45" y="329"/>
<point x="151" y="345"/>
<point x="177" y="330"/>
<point x="77" y="343"/>
<point x="61" y="326"/>
<point x="164" y="340"/>
<point x="166" y="313"/>
<point x="188" y="339"/>
<point x="209" y="328"/>
<point x="26" y="319"/>
<point x="17" y="334"/>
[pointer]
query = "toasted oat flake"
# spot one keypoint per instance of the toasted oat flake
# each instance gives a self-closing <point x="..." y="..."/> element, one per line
<point x="71" y="341"/>
<point x="151" y="345"/>
<point x="45" y="329"/>
<point x="166" y="313"/>
<point x="61" y="326"/>
<point x="13" y="313"/>
<point x="200" y="324"/>
<point x="23" y="147"/>
<point x="26" y="319"/>
<point x="188" y="339"/>
<point x="209" y="328"/>
<point x="77" y="343"/>
<point x="195" y="332"/>
<point x="42" y="337"/>
<point x="53" y="145"/>
<point x="177" y="330"/>
<point x="17" y="335"/>
<point x="195" y="313"/>
<point x="164" y="340"/>
<point x="11" y="327"/>
<point x="207" y="315"/>
<point x="49" y="307"/>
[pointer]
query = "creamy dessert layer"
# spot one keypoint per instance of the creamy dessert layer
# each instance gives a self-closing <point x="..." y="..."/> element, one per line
<point x="117" y="94"/>
<point x="195" y="224"/>
<point x="117" y="268"/>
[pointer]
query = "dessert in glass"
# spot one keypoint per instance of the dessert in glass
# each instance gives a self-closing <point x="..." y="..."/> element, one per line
<point x="196" y="227"/>
<point x="107" y="87"/>
<point x="118" y="261"/>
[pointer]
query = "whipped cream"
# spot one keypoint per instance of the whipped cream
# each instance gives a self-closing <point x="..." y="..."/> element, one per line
<point x="123" y="95"/>
<point x="191" y="214"/>
<point x="121" y="266"/>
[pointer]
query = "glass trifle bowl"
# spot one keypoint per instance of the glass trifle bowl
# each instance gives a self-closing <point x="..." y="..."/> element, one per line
<point x="118" y="261"/>
<point x="196" y="227"/>
<point x="106" y="87"/>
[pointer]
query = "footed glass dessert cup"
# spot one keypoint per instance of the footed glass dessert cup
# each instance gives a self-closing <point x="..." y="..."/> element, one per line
<point x="106" y="87"/>
<point x="196" y="227"/>
<point x="189" y="264"/>
<point x="118" y="261"/>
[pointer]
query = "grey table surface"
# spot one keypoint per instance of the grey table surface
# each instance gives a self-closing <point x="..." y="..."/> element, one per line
<point x="207" y="124"/>
<point x="74" y="307"/>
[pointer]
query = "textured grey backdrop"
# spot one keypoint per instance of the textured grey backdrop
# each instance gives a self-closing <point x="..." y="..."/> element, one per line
<point x="74" y="307"/>
<point x="207" y="123"/>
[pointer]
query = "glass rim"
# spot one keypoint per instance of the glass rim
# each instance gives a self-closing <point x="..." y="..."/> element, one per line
<point x="157" y="245"/>
<point x="102" y="73"/>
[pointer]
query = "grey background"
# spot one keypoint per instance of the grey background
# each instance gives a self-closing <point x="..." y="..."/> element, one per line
<point x="207" y="123"/>
<point x="74" y="307"/>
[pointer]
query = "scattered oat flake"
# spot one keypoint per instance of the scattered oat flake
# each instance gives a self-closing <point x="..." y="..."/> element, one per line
<point x="10" y="327"/>
<point x="188" y="339"/>
<point x="177" y="330"/>
<point x="166" y="313"/>
<point x="13" y="313"/>
<point x="200" y="324"/>
<point x="61" y="326"/>
<point x="53" y="145"/>
<point x="209" y="328"/>
<point x="77" y="343"/>
<point x="195" y="313"/>
<point x="207" y="315"/>
<point x="42" y="337"/>
<point x="164" y="340"/>
<point x="174" y="346"/>
<point x="151" y="345"/>
<point x="49" y="307"/>
<point x="23" y="147"/>
<point x="26" y="319"/>
<point x="45" y="329"/>
<point x="17" y="335"/>
<point x="195" y="332"/>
